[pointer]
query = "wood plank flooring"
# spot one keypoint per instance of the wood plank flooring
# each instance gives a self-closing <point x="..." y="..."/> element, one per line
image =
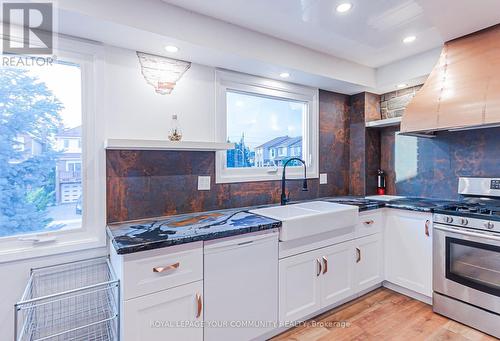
<point x="382" y="315"/>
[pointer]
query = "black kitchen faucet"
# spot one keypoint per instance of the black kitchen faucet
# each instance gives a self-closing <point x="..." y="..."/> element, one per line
<point x="285" y="198"/>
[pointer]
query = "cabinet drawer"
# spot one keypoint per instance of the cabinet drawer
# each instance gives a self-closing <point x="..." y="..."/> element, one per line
<point x="369" y="223"/>
<point x="151" y="271"/>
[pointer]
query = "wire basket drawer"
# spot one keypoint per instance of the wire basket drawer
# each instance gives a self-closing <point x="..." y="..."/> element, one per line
<point x="72" y="301"/>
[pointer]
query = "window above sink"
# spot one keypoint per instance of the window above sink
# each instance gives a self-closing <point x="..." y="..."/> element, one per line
<point x="269" y="122"/>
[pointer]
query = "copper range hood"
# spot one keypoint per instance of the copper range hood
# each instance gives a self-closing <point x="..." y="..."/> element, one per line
<point x="462" y="91"/>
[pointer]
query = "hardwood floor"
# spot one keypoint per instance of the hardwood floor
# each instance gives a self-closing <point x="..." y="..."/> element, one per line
<point x="382" y="315"/>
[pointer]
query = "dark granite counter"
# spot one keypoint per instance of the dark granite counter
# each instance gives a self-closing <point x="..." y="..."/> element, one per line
<point x="361" y="202"/>
<point x="408" y="203"/>
<point x="418" y="204"/>
<point x="160" y="232"/>
<point x="147" y="234"/>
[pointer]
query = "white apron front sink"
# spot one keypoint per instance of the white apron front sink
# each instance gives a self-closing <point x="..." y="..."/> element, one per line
<point x="310" y="218"/>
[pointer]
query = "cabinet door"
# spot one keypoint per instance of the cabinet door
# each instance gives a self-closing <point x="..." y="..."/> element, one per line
<point x="368" y="257"/>
<point x="408" y="244"/>
<point x="337" y="273"/>
<point x="299" y="283"/>
<point x="173" y="314"/>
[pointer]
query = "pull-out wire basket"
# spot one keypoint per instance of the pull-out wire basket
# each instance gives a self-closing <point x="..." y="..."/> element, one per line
<point x="71" y="301"/>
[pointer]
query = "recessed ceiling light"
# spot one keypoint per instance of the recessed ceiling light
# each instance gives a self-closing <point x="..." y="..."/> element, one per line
<point x="409" y="39"/>
<point x="344" y="7"/>
<point x="402" y="85"/>
<point x="171" y="48"/>
<point x="284" y="75"/>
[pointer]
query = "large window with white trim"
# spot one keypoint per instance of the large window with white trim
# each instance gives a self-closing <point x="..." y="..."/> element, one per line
<point x="49" y="162"/>
<point x="269" y="122"/>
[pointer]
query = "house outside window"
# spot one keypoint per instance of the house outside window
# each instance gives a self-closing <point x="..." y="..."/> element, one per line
<point x="266" y="120"/>
<point x="19" y="143"/>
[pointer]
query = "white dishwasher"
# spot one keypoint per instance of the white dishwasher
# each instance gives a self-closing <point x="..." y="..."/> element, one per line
<point x="240" y="287"/>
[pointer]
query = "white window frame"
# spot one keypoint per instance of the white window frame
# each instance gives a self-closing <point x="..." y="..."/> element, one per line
<point x="92" y="233"/>
<point x="20" y="143"/>
<point x="272" y="153"/>
<point x="233" y="81"/>
<point x="74" y="163"/>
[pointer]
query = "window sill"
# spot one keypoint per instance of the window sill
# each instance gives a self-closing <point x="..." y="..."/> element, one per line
<point x="30" y="250"/>
<point x="297" y="175"/>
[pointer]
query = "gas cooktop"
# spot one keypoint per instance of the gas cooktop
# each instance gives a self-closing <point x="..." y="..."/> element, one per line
<point x="484" y="209"/>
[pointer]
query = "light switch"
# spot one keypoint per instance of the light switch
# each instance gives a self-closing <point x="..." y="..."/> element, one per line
<point x="204" y="183"/>
<point x="323" y="178"/>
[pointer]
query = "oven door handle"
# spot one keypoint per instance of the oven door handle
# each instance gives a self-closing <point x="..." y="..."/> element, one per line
<point x="467" y="233"/>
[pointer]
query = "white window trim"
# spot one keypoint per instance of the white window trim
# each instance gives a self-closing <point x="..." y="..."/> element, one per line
<point x="74" y="163"/>
<point x="92" y="234"/>
<point x="227" y="80"/>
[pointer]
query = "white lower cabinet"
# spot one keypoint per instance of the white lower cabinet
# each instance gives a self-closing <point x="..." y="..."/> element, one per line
<point x="408" y="250"/>
<point x="369" y="262"/>
<point x="299" y="287"/>
<point x="173" y="314"/>
<point x="337" y="273"/>
<point x="317" y="279"/>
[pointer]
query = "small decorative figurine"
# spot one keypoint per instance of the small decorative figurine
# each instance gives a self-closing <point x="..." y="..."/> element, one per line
<point x="175" y="131"/>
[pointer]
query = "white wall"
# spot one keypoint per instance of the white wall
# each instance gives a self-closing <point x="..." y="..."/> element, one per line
<point x="412" y="71"/>
<point x="135" y="110"/>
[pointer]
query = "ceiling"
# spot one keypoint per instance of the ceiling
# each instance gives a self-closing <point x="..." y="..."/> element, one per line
<point x="370" y="33"/>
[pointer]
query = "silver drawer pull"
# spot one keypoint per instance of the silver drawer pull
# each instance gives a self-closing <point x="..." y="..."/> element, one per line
<point x="318" y="262"/>
<point x="167" y="268"/>
<point x="368" y="222"/>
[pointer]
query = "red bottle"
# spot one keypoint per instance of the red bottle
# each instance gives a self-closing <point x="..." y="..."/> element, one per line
<point x="380" y="182"/>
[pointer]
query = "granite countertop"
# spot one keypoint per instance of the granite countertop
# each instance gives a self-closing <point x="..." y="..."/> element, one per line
<point x="147" y="234"/>
<point x="418" y="204"/>
<point x="361" y="202"/>
<point x="141" y="235"/>
<point x="407" y="203"/>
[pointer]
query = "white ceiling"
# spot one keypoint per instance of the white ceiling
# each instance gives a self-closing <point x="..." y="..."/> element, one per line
<point x="370" y="34"/>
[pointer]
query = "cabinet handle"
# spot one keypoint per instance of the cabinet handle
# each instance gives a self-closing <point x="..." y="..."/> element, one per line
<point x="427" y="222"/>
<point x="199" y="303"/>
<point x="325" y="264"/>
<point x="368" y="222"/>
<point x="358" y="255"/>
<point x="318" y="272"/>
<point x="167" y="268"/>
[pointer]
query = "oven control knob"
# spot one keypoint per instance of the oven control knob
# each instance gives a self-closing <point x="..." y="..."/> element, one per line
<point x="449" y="220"/>
<point x="464" y="221"/>
<point x="489" y="225"/>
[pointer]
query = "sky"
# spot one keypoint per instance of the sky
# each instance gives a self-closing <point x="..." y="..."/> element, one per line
<point x="64" y="80"/>
<point x="262" y="118"/>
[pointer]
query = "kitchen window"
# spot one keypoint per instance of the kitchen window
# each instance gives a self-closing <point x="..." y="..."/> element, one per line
<point x="51" y="192"/>
<point x="266" y="120"/>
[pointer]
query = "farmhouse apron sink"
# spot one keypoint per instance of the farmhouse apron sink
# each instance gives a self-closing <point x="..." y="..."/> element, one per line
<point x="310" y="218"/>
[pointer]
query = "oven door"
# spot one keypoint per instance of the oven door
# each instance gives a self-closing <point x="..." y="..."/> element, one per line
<point x="467" y="266"/>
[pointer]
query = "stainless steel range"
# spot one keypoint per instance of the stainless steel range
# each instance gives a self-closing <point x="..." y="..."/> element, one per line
<point x="466" y="253"/>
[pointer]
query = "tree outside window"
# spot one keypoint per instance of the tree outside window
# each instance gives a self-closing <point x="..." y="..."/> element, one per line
<point x="34" y="107"/>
